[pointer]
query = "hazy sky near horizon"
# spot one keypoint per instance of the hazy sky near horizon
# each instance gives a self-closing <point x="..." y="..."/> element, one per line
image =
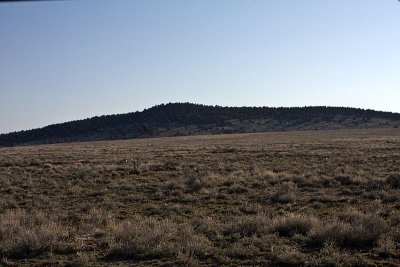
<point x="67" y="60"/>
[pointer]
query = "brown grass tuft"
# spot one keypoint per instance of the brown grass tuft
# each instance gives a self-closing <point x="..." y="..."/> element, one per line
<point x="352" y="230"/>
<point x="147" y="237"/>
<point x="292" y="224"/>
<point x="393" y="180"/>
<point x="24" y="234"/>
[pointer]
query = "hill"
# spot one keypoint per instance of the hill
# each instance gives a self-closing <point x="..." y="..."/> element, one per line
<point x="176" y="119"/>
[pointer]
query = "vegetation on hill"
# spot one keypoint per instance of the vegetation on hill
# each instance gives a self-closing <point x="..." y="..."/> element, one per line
<point x="190" y="119"/>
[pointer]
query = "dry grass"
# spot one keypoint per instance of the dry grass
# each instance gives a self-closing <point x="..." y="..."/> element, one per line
<point x="292" y="224"/>
<point x="320" y="198"/>
<point x="25" y="234"/>
<point x="247" y="226"/>
<point x="152" y="238"/>
<point x="352" y="230"/>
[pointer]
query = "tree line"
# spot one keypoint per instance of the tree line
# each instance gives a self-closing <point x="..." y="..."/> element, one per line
<point x="172" y="115"/>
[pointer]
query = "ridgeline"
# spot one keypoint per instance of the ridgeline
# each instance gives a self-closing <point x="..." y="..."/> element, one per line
<point x="179" y="119"/>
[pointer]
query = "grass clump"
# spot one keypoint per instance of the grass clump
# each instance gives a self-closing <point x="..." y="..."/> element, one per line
<point x="285" y="193"/>
<point x="394" y="180"/>
<point x="246" y="226"/>
<point x="195" y="183"/>
<point x="292" y="224"/>
<point x="351" y="230"/>
<point x="286" y="255"/>
<point x="386" y="247"/>
<point x="345" y="180"/>
<point x="24" y="234"/>
<point x="147" y="237"/>
<point x="331" y="255"/>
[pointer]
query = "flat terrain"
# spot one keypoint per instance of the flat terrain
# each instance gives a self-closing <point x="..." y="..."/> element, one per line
<point x="313" y="198"/>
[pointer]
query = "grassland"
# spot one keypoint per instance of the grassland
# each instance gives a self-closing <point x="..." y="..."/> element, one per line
<point x="315" y="198"/>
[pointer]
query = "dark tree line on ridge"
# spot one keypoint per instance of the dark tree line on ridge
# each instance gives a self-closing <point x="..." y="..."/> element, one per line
<point x="174" y="115"/>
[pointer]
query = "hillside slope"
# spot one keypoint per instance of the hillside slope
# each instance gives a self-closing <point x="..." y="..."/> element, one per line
<point x="175" y="119"/>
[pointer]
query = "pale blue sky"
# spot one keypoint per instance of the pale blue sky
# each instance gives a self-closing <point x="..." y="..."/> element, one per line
<point x="67" y="60"/>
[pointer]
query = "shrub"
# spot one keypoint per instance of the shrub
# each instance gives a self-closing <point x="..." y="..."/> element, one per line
<point x="293" y="224"/>
<point x="375" y="184"/>
<point x="244" y="248"/>
<point x="81" y="260"/>
<point x="4" y="181"/>
<point x="285" y="193"/>
<point x="224" y="150"/>
<point x="171" y="165"/>
<point x="24" y="234"/>
<point x="390" y="196"/>
<point x="345" y="180"/>
<point x="207" y="226"/>
<point x="195" y="182"/>
<point x="386" y="247"/>
<point x="273" y="177"/>
<point x="95" y="220"/>
<point x="147" y="237"/>
<point x="393" y="180"/>
<point x="331" y="255"/>
<point x="171" y="186"/>
<point x="285" y="255"/>
<point x="350" y="230"/>
<point x="237" y="189"/>
<point x="7" y="163"/>
<point x="247" y="226"/>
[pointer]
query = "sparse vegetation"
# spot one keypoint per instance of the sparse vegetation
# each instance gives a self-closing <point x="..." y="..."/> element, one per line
<point x="321" y="198"/>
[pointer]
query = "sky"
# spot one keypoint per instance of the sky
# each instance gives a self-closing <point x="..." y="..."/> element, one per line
<point x="68" y="60"/>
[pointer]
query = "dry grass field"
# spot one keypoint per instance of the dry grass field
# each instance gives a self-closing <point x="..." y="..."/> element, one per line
<point x="316" y="198"/>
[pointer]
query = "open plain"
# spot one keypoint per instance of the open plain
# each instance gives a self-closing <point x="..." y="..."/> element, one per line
<point x="310" y="198"/>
